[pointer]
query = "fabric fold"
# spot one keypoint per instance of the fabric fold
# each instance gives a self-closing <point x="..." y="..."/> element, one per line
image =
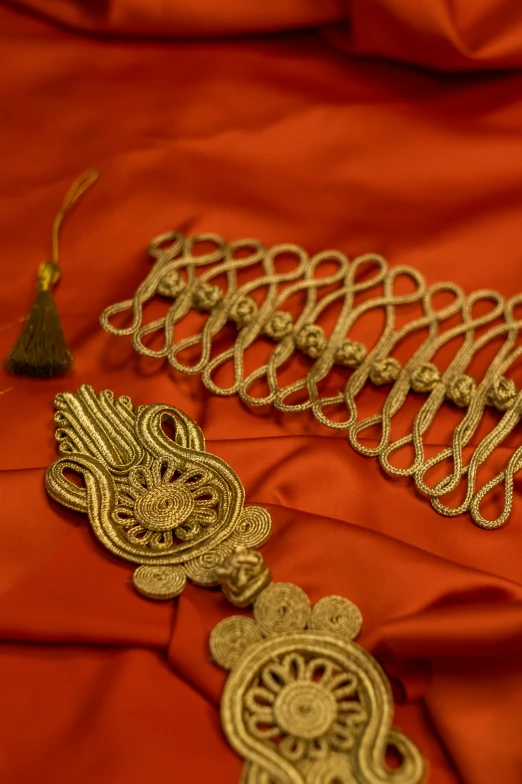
<point x="443" y="35"/>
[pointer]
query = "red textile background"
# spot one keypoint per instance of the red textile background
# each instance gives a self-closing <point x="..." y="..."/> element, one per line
<point x="441" y="34"/>
<point x="289" y="138"/>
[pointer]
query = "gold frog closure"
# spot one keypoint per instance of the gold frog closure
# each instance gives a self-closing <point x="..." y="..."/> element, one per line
<point x="163" y="503"/>
<point x="303" y="704"/>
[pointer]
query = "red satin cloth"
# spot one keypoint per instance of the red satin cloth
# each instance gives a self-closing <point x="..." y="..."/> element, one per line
<point x="287" y="137"/>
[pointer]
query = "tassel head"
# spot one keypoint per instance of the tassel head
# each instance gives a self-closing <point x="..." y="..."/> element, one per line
<point x="48" y="276"/>
<point x="41" y="351"/>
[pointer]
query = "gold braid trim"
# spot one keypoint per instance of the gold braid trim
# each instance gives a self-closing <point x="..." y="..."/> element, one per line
<point x="208" y="281"/>
<point x="303" y="703"/>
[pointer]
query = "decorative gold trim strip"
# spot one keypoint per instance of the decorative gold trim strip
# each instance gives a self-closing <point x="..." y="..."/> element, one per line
<point x="478" y="322"/>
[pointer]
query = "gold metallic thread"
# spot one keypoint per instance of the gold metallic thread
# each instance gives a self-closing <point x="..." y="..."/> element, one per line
<point x="303" y="703"/>
<point x="359" y="287"/>
<point x="164" y="504"/>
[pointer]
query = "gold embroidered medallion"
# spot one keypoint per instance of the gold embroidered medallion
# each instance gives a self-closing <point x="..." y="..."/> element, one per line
<point x="163" y="503"/>
<point x="303" y="703"/>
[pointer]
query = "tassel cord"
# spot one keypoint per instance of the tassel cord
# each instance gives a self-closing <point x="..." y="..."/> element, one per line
<point x="41" y="350"/>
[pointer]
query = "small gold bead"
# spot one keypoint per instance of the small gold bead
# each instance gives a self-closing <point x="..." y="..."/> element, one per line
<point x="350" y="353"/>
<point x="425" y="377"/>
<point x="461" y="389"/>
<point x="385" y="371"/>
<point x="311" y="340"/>
<point x="502" y="393"/>
<point x="171" y="284"/>
<point x="279" y="325"/>
<point x="206" y="296"/>
<point x="243" y="311"/>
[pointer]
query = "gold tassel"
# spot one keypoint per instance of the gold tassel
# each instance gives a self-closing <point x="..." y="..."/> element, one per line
<point x="41" y="350"/>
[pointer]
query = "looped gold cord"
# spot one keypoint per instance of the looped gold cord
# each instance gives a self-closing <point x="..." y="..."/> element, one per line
<point x="355" y="289"/>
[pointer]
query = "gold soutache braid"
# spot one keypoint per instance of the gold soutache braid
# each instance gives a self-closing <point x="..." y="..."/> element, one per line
<point x="193" y="276"/>
<point x="303" y="704"/>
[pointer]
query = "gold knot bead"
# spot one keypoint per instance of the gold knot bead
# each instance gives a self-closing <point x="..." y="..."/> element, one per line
<point x="279" y="325"/>
<point x="206" y="296"/>
<point x="311" y="340"/>
<point x="243" y="311"/>
<point x="461" y="390"/>
<point x="171" y="284"/>
<point x="425" y="377"/>
<point x="502" y="393"/>
<point x="385" y="371"/>
<point x="350" y="353"/>
<point x="243" y="575"/>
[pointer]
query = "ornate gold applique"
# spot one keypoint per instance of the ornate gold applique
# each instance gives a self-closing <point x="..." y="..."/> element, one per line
<point x="471" y="323"/>
<point x="165" y="504"/>
<point x="303" y="703"/>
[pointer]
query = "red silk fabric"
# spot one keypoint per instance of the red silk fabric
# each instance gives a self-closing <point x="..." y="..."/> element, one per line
<point x="441" y="34"/>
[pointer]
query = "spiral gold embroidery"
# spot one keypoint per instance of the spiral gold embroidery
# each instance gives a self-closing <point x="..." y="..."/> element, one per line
<point x="165" y="504"/>
<point x="303" y="703"/>
<point x="477" y="322"/>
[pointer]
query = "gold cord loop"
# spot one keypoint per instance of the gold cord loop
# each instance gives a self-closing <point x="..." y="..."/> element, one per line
<point x="300" y="341"/>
